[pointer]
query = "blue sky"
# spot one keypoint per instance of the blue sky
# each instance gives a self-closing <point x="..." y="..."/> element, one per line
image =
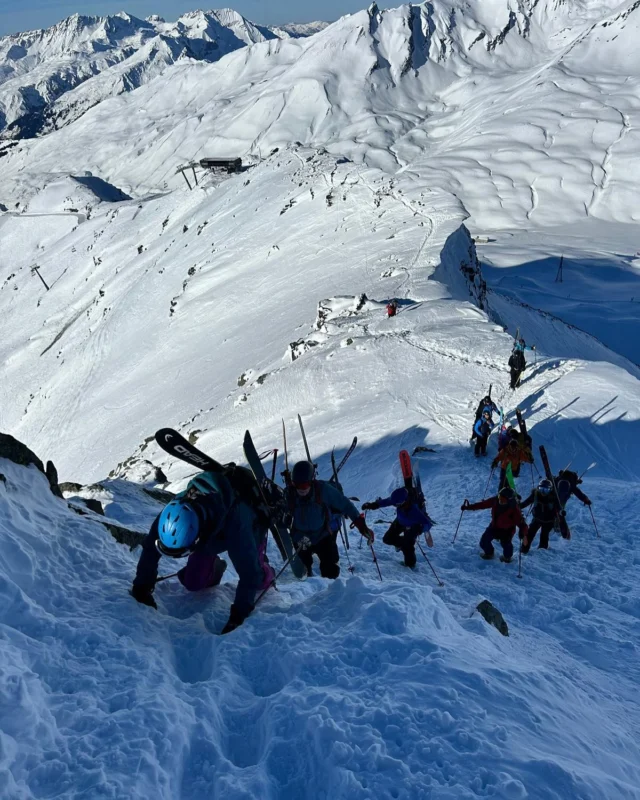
<point x="22" y="15"/>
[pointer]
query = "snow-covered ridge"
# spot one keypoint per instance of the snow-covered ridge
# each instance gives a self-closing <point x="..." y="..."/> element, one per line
<point x="50" y="77"/>
<point x="530" y="102"/>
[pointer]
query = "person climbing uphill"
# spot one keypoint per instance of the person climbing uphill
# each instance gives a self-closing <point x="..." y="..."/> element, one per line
<point x="567" y="485"/>
<point x="392" y="308"/>
<point x="411" y="520"/>
<point x="482" y="430"/>
<point x="514" y="454"/>
<point x="517" y="361"/>
<point x="311" y="503"/>
<point x="505" y="517"/>
<point x="202" y="522"/>
<point x="545" y="511"/>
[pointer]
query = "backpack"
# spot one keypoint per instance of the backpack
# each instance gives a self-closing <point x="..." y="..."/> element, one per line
<point x="244" y="485"/>
<point x="317" y="495"/>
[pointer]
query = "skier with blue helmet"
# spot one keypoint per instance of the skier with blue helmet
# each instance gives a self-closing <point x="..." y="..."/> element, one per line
<point x="207" y="519"/>
<point x="411" y="520"/>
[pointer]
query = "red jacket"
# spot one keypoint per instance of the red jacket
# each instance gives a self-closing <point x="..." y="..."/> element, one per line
<point x="504" y="518"/>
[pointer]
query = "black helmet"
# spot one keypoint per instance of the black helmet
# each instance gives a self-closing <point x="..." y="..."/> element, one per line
<point x="545" y="486"/>
<point x="506" y="494"/>
<point x="302" y="474"/>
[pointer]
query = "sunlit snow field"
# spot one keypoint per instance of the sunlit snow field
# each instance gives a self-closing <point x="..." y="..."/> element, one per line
<point x="240" y="304"/>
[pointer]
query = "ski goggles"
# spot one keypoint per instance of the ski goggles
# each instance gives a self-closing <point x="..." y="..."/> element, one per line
<point x="544" y="489"/>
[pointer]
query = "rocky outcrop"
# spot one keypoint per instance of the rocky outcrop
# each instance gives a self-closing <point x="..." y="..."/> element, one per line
<point x="493" y="616"/>
<point x="19" y="453"/>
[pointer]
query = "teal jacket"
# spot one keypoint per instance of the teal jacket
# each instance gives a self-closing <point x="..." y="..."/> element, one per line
<point x="311" y="514"/>
<point x="231" y="526"/>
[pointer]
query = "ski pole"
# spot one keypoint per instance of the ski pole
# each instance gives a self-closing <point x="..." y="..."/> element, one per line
<point x="273" y="466"/>
<point x="486" y="489"/>
<point x="166" y="577"/>
<point x="426" y="558"/>
<point x="361" y="537"/>
<point x="533" y="483"/>
<point x="345" y="536"/>
<point x="519" y="575"/>
<point x="375" y="559"/>
<point x="273" y="580"/>
<point x="346" y="548"/>
<point x="594" y="522"/>
<point x="453" y="541"/>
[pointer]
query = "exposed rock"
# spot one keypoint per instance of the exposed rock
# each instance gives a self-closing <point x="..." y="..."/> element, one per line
<point x="52" y="476"/>
<point x="19" y="453"/>
<point x="493" y="616"/>
<point x="122" y="535"/>
<point x="93" y="505"/>
<point x="161" y="495"/>
<point x="70" y="488"/>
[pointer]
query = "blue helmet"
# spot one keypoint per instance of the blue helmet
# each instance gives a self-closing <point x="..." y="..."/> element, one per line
<point x="399" y="496"/>
<point x="178" y="529"/>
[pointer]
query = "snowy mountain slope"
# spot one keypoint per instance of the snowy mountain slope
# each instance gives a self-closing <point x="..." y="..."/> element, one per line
<point x="50" y="77"/>
<point x="600" y="287"/>
<point x="263" y="296"/>
<point x="214" y="267"/>
<point x="356" y="688"/>
<point x="533" y="108"/>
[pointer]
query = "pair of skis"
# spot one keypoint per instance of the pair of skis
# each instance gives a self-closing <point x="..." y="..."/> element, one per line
<point x="413" y="484"/>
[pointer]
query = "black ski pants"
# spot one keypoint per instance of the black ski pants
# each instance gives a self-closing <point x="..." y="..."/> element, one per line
<point x="404" y="539"/>
<point x="495" y="534"/>
<point x="327" y="551"/>
<point x="481" y="445"/>
<point x="545" y="529"/>
<point x="516" y="374"/>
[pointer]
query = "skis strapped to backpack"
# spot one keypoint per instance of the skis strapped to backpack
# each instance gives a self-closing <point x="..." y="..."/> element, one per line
<point x="243" y="481"/>
<point x="345" y="457"/>
<point x="274" y="499"/>
<point x="549" y="474"/>
<point x="411" y="477"/>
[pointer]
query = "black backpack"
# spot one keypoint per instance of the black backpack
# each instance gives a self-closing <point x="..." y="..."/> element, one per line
<point x="244" y="485"/>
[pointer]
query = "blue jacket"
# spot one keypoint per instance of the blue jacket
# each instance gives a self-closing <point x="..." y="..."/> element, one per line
<point x="231" y="527"/>
<point x="521" y="347"/>
<point x="483" y="428"/>
<point x="408" y="518"/>
<point x="311" y="519"/>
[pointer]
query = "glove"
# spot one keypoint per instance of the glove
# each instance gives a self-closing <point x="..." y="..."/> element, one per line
<point x="429" y="539"/>
<point x="236" y="618"/>
<point x="370" y="506"/>
<point x="494" y="464"/>
<point x="525" y="540"/>
<point x="587" y="502"/>
<point x="533" y="347"/>
<point x="144" y="595"/>
<point x="361" y="526"/>
<point x="464" y="506"/>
